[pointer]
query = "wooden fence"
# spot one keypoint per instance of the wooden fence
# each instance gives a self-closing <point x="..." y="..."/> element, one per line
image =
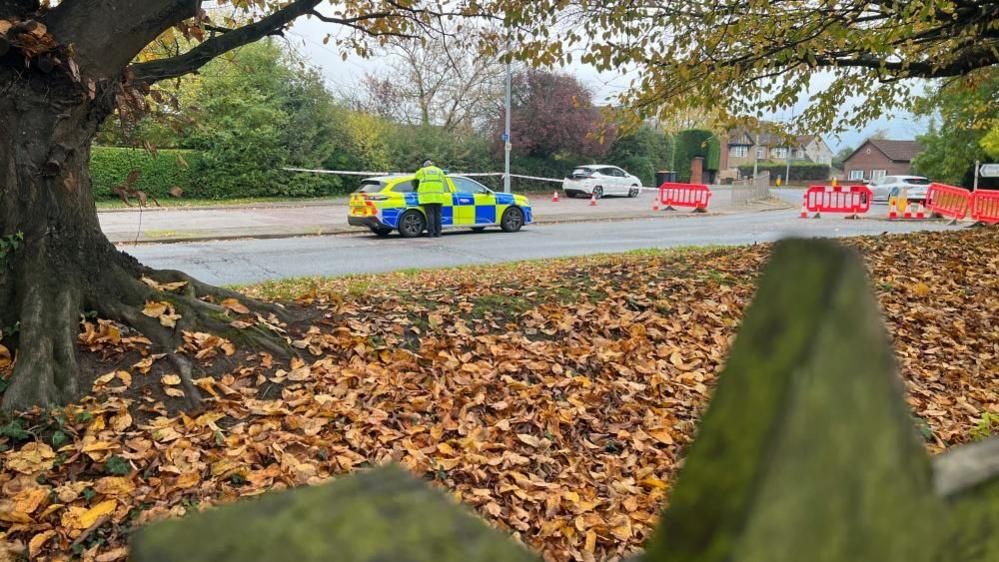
<point x="807" y="452"/>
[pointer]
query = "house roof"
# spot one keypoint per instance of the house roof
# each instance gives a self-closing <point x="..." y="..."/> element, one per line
<point x="894" y="150"/>
<point x="767" y="135"/>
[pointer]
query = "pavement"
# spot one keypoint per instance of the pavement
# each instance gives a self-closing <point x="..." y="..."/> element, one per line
<point x="253" y="260"/>
<point x="311" y="218"/>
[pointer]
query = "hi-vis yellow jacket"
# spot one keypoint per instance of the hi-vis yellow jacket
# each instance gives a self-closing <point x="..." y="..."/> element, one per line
<point x="431" y="187"/>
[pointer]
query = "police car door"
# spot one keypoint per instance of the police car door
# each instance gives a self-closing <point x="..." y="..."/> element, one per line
<point x="483" y="202"/>
<point x="462" y="203"/>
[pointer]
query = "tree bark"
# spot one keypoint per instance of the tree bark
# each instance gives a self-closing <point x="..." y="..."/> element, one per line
<point x="66" y="265"/>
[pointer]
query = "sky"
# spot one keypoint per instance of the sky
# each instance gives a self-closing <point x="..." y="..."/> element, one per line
<point x="307" y="38"/>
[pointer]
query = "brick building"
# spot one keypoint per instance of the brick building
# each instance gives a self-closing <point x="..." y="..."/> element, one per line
<point x="877" y="158"/>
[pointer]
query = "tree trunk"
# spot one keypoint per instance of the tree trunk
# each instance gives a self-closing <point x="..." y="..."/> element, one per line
<point x="66" y="265"/>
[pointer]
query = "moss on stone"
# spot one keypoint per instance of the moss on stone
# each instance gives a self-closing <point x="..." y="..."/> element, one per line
<point x="380" y="515"/>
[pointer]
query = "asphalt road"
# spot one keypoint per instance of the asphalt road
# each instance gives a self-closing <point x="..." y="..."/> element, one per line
<point x="248" y="260"/>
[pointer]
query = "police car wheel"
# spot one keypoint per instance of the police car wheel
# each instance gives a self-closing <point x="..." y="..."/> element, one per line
<point x="633" y="192"/>
<point x="412" y="224"/>
<point x="381" y="232"/>
<point x="598" y="192"/>
<point x="513" y="219"/>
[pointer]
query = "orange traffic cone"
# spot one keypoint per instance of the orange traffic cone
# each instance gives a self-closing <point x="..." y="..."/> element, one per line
<point x="593" y="200"/>
<point x="804" y="211"/>
<point x="907" y="214"/>
<point x="920" y="212"/>
<point x="555" y="197"/>
<point x="655" y="204"/>
<point x="892" y="211"/>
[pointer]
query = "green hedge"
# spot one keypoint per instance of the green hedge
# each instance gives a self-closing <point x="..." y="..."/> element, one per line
<point x="694" y="143"/>
<point x="109" y="166"/>
<point x="802" y="171"/>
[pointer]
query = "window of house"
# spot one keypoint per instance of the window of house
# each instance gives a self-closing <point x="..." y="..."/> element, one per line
<point x="780" y="152"/>
<point x="738" y="151"/>
<point x="878" y="174"/>
<point x="761" y="152"/>
<point x="856" y="174"/>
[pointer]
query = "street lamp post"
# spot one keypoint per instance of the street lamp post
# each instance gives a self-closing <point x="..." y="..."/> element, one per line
<point x="787" y="168"/>
<point x="507" y="145"/>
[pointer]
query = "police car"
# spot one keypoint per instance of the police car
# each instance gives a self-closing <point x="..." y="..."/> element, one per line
<point x="388" y="203"/>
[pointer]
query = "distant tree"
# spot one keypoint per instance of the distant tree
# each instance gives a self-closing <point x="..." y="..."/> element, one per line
<point x="881" y="133"/>
<point x="990" y="142"/>
<point x="839" y="159"/>
<point x="437" y="81"/>
<point x="553" y="115"/>
<point x="641" y="152"/>
<point x="962" y="113"/>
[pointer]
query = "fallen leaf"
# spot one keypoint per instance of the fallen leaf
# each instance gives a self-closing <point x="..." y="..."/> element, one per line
<point x="235" y="306"/>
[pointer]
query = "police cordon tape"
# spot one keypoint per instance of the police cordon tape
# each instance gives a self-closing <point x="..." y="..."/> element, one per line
<point x="461" y="174"/>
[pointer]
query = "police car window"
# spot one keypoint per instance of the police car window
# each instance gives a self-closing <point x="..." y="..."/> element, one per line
<point x="371" y="186"/>
<point x="403" y="187"/>
<point x="465" y="185"/>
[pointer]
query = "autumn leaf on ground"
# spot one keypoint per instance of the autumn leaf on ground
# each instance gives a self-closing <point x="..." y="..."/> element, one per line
<point x="163" y="311"/>
<point x="555" y="398"/>
<point x="235" y="306"/>
<point x="164" y="287"/>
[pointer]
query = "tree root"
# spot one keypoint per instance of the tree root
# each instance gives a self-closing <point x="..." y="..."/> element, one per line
<point x="46" y="373"/>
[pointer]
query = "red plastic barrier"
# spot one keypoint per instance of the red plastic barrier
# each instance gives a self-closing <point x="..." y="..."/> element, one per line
<point x="694" y="195"/>
<point x="949" y="201"/>
<point x="854" y="199"/>
<point x="985" y="206"/>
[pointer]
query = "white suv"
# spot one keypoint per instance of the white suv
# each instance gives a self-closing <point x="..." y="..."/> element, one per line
<point x="598" y="181"/>
<point x="916" y="186"/>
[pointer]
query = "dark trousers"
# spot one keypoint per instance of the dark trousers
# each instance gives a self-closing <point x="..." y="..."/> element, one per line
<point x="433" y="219"/>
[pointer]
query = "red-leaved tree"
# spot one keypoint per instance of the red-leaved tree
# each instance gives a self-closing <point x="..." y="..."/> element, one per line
<point x="553" y="114"/>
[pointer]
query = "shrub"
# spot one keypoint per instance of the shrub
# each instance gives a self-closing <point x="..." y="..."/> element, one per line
<point x="109" y="166"/>
<point x="694" y="143"/>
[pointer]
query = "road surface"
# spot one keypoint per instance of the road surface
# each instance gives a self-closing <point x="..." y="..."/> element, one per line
<point x="249" y="260"/>
<point x="285" y="220"/>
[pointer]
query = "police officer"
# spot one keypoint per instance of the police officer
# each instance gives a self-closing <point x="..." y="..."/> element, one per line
<point x="430" y="193"/>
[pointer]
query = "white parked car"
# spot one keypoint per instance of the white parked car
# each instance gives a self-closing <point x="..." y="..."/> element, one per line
<point x="600" y="180"/>
<point x="916" y="186"/>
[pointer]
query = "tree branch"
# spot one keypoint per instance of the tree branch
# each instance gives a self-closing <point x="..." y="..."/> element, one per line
<point x="17" y="8"/>
<point x="154" y="71"/>
<point x="107" y="35"/>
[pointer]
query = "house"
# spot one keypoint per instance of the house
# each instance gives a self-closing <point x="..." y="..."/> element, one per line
<point x="743" y="147"/>
<point x="877" y="158"/>
<point x="811" y="148"/>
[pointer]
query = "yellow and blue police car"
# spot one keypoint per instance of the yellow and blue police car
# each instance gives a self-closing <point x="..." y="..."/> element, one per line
<point x="389" y="203"/>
